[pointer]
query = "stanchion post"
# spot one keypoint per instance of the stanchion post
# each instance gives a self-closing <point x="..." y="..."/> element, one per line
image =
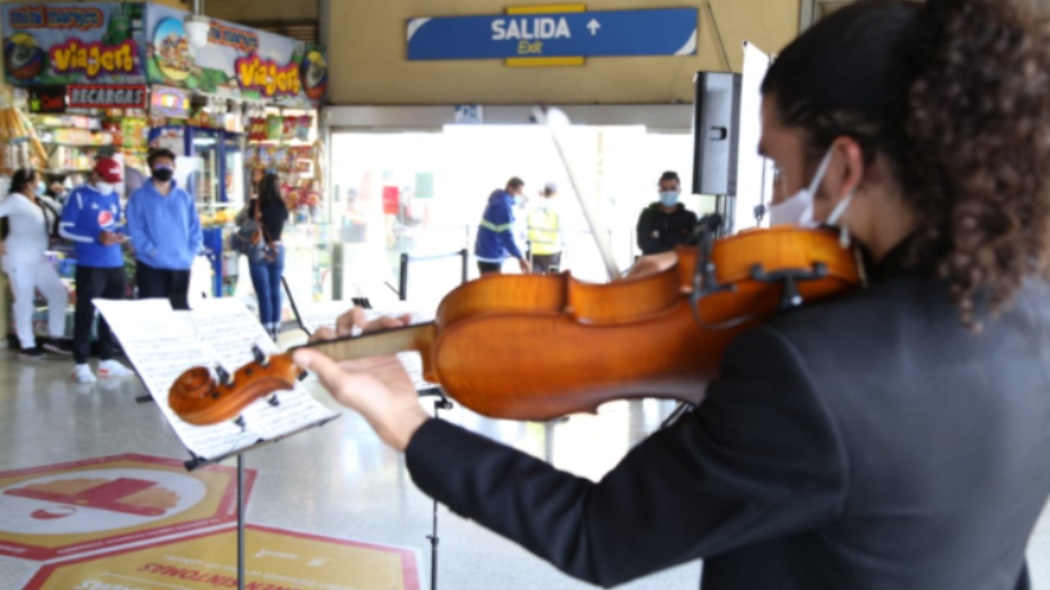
<point x="403" y="287"/>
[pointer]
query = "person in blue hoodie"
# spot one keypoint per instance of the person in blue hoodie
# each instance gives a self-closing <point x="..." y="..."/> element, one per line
<point x="497" y="239"/>
<point x="91" y="219"/>
<point x="165" y="232"/>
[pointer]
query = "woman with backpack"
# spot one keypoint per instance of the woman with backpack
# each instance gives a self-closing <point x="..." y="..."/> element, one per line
<point x="30" y="222"/>
<point x="268" y="208"/>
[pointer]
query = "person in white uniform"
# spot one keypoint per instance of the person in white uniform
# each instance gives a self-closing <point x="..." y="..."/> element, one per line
<point x="31" y="221"/>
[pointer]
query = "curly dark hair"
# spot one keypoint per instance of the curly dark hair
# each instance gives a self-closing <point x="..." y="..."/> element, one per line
<point x="954" y="94"/>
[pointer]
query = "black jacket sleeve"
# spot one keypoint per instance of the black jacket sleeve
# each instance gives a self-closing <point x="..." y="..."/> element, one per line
<point x="646" y="242"/>
<point x="760" y="458"/>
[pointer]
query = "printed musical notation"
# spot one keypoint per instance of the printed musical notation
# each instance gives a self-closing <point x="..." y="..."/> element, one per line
<point x="162" y="343"/>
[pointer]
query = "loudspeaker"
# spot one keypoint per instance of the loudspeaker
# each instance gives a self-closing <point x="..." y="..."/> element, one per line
<point x="716" y="134"/>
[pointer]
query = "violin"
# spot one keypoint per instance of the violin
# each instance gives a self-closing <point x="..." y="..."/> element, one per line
<point x="537" y="347"/>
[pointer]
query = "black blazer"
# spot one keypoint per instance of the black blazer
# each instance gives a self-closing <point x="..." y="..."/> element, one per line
<point x="870" y="443"/>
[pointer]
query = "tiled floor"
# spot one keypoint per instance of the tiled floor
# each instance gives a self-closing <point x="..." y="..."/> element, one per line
<point x="338" y="480"/>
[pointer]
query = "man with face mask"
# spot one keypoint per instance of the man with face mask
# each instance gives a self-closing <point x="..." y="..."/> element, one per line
<point x="665" y="223"/>
<point x="91" y="219"/>
<point x="497" y="239"/>
<point x="165" y="232"/>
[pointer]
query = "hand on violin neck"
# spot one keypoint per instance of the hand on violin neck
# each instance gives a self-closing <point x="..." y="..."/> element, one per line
<point x="377" y="388"/>
<point x="356" y="321"/>
<point x="652" y="264"/>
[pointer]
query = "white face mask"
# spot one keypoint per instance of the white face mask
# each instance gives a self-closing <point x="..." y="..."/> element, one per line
<point x="789" y="211"/>
<point x="104" y="187"/>
<point x="806" y="196"/>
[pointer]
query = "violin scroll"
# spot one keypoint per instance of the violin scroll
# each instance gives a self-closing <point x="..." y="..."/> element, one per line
<point x="199" y="399"/>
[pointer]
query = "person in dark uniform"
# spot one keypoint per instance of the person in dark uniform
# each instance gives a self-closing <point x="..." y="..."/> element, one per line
<point x="892" y="439"/>
<point x="665" y="223"/>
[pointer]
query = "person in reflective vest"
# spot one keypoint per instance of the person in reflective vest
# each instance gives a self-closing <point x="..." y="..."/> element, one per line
<point x="545" y="236"/>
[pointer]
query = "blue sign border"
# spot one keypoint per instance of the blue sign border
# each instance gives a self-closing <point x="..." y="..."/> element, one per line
<point x="665" y="31"/>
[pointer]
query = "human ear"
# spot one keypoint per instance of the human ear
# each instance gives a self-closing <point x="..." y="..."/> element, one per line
<point x="846" y="169"/>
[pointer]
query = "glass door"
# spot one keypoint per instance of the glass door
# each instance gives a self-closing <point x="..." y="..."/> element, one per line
<point x="204" y="148"/>
<point x="234" y="187"/>
<point x="423" y="193"/>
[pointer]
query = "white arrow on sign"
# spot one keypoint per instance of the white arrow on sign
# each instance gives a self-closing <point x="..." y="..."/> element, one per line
<point x="594" y="25"/>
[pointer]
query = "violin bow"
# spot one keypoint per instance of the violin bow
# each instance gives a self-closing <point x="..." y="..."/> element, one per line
<point x="559" y="126"/>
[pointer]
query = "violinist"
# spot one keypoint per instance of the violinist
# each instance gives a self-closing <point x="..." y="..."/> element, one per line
<point x="893" y="438"/>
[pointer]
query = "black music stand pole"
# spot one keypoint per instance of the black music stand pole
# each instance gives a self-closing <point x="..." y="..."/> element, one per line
<point x="196" y="462"/>
<point x="441" y="403"/>
<point x="240" y="522"/>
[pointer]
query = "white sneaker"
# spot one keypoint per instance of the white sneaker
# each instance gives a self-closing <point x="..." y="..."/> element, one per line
<point x="83" y="374"/>
<point x="111" y="368"/>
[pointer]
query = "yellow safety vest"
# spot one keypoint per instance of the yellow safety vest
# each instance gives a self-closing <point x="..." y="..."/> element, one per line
<point x="544" y="235"/>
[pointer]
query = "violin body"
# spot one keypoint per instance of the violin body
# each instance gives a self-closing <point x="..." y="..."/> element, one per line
<point x="539" y="347"/>
<point x="536" y="347"/>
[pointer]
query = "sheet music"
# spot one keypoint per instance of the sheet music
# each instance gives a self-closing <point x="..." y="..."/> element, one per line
<point x="227" y="331"/>
<point x="325" y="314"/>
<point x="162" y="343"/>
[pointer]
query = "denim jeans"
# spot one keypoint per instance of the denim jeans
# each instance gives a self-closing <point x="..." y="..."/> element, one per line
<point x="266" y="277"/>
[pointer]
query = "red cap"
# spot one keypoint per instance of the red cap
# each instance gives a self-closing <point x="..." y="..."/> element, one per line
<point x="109" y="170"/>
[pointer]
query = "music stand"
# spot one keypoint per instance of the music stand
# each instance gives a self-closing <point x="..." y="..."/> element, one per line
<point x="161" y="343"/>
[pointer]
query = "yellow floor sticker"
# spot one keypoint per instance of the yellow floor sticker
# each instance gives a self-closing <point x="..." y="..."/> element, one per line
<point x="276" y="560"/>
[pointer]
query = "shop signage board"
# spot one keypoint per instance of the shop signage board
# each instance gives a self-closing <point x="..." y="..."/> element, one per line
<point x="101" y="43"/>
<point x="107" y="96"/>
<point x="47" y="99"/>
<point x="237" y="62"/>
<point x="81" y="43"/>
<point x="166" y="101"/>
<point x="667" y="31"/>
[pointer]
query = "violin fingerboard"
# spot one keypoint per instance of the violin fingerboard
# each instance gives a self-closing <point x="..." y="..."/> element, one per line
<point x="383" y="343"/>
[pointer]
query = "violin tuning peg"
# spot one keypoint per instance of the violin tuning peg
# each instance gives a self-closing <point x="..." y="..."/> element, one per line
<point x="240" y="422"/>
<point x="273" y="401"/>
<point x="303" y="375"/>
<point x="260" y="356"/>
<point x="223" y="376"/>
